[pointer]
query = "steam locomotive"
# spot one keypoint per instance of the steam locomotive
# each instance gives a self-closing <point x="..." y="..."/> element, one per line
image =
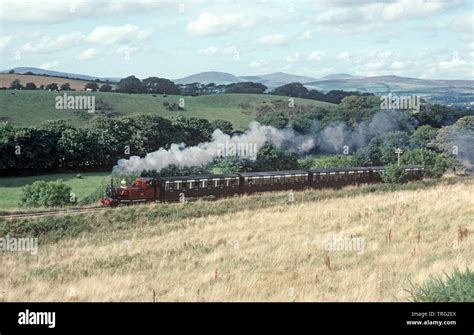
<point x="180" y="188"/>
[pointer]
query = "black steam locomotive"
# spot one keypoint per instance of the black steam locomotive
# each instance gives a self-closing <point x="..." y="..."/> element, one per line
<point x="179" y="188"/>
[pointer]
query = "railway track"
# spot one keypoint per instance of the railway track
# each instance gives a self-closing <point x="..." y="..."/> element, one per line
<point x="51" y="212"/>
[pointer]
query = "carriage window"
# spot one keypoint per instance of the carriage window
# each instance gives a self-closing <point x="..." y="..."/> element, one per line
<point x="178" y="184"/>
<point x="288" y="179"/>
<point x="203" y="183"/>
<point x="190" y="185"/>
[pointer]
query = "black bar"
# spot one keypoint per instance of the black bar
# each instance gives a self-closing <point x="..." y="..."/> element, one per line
<point x="321" y="318"/>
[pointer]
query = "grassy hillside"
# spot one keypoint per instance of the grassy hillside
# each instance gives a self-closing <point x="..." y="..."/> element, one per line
<point x="11" y="187"/>
<point x="33" y="107"/>
<point x="248" y="250"/>
<point x="7" y="78"/>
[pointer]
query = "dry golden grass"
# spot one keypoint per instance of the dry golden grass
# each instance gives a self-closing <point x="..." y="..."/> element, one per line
<point x="275" y="254"/>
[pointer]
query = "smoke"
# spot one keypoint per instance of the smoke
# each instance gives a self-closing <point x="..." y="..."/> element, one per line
<point x="458" y="142"/>
<point x="335" y="137"/>
<point x="244" y="145"/>
<point x="328" y="139"/>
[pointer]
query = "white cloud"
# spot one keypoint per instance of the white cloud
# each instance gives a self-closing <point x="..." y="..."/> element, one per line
<point x="455" y="62"/>
<point x="354" y="18"/>
<point x="257" y="64"/>
<point x="87" y="54"/>
<point x="108" y="35"/>
<point x="208" y="24"/>
<point x="306" y="35"/>
<point x="54" y="11"/>
<point x="5" y="41"/>
<point x="125" y="51"/>
<point x="50" y="65"/>
<point x="275" y="39"/>
<point x="293" y="57"/>
<point x="316" y="56"/>
<point x="401" y="65"/>
<point x="48" y="44"/>
<point x="343" y="56"/>
<point x="218" y="51"/>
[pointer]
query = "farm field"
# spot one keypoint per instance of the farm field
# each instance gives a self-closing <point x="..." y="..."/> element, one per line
<point x="33" y="107"/>
<point x="274" y="253"/>
<point x="7" y="78"/>
<point x="11" y="187"/>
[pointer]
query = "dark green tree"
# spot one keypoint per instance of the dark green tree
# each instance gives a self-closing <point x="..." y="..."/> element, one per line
<point x="131" y="84"/>
<point x="223" y="125"/>
<point x="16" y="84"/>
<point x="105" y="88"/>
<point x="271" y="158"/>
<point x="92" y="86"/>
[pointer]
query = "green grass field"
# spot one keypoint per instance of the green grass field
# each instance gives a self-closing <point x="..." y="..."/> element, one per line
<point x="11" y="187"/>
<point x="33" y="107"/>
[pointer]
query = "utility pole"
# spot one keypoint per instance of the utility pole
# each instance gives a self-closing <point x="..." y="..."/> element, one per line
<point x="398" y="151"/>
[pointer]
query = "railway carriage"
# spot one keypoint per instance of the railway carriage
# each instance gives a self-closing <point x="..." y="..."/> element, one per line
<point x="274" y="181"/>
<point x="200" y="186"/>
<point x="339" y="177"/>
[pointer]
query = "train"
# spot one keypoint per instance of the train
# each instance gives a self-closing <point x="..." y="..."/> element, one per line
<point x="212" y="186"/>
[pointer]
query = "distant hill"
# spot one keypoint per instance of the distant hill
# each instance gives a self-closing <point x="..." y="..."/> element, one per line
<point x="278" y="79"/>
<point x="210" y="77"/>
<point x="449" y="92"/>
<point x="271" y="80"/>
<point x="338" y="76"/>
<point x="36" y="70"/>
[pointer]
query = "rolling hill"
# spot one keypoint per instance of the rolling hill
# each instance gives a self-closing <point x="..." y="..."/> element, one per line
<point x="33" y="107"/>
<point x="210" y="77"/>
<point x="449" y="92"/>
<point x="278" y="79"/>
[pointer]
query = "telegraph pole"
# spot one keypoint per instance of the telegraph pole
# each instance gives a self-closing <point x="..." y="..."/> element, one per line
<point x="398" y="151"/>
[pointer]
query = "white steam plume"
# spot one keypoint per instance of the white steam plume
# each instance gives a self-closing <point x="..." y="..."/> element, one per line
<point x="180" y="155"/>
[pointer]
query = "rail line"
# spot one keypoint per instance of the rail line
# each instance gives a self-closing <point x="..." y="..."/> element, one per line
<point x="51" y="212"/>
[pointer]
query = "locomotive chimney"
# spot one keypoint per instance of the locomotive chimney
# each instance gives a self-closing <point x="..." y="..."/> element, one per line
<point x="111" y="181"/>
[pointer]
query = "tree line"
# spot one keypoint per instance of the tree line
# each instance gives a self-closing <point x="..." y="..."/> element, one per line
<point x="56" y="145"/>
<point x="156" y="85"/>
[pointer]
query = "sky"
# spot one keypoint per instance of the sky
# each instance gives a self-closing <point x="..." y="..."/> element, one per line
<point x="429" y="39"/>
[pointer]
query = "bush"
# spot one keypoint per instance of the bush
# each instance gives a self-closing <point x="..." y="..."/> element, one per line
<point x="458" y="287"/>
<point x="394" y="174"/>
<point x="435" y="164"/>
<point x="46" y="194"/>
<point x="334" y="161"/>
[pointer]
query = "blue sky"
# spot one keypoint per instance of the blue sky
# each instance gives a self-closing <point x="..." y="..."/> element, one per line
<point x="430" y="39"/>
